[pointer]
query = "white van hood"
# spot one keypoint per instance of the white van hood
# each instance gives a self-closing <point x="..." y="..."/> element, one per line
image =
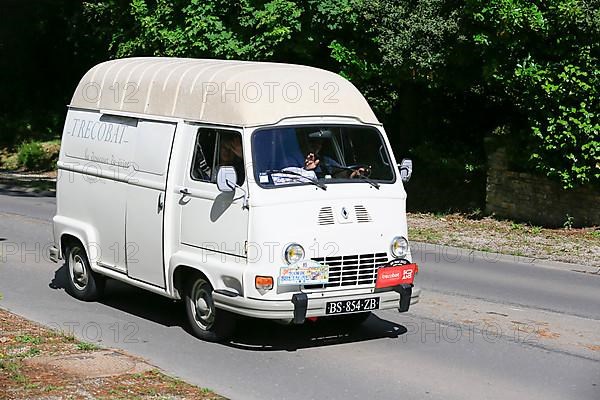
<point x="328" y="224"/>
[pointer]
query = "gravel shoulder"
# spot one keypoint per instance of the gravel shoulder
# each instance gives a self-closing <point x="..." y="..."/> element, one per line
<point x="569" y="245"/>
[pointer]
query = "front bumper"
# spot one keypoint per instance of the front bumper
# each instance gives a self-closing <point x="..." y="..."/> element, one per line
<point x="315" y="305"/>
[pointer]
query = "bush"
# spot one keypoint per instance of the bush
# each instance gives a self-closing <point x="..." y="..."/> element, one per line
<point x="32" y="156"/>
<point x="542" y="57"/>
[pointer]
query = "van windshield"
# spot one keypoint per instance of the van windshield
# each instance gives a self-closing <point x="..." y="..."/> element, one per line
<point x="320" y="155"/>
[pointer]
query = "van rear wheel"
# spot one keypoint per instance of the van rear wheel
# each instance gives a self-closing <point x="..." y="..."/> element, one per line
<point x="205" y="320"/>
<point x="82" y="283"/>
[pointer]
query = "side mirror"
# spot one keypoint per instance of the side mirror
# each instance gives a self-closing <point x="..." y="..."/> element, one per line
<point x="406" y="168"/>
<point x="226" y="179"/>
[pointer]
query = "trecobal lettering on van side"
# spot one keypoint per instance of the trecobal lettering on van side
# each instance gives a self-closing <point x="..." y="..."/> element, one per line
<point x="97" y="130"/>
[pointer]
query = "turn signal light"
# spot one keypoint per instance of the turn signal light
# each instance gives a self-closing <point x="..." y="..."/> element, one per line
<point x="263" y="283"/>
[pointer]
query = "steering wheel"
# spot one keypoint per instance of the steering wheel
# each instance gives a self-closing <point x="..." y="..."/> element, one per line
<point x="366" y="169"/>
<point x="353" y="168"/>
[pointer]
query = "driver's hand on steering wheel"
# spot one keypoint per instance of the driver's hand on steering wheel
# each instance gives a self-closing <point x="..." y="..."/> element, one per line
<point x="357" y="172"/>
<point x="361" y="171"/>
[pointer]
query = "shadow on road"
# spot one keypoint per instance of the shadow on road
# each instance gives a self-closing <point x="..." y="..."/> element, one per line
<point x="59" y="281"/>
<point x="251" y="334"/>
<point x="132" y="300"/>
<point x="259" y="335"/>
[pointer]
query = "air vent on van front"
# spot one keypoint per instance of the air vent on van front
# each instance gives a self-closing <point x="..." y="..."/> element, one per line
<point x="326" y="216"/>
<point x="362" y="215"/>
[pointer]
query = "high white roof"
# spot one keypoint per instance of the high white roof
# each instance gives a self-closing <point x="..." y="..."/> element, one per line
<point x="225" y="92"/>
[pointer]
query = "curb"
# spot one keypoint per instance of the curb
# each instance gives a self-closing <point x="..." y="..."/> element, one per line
<point x="28" y="184"/>
<point x="459" y="252"/>
<point x="26" y="177"/>
<point x="26" y="191"/>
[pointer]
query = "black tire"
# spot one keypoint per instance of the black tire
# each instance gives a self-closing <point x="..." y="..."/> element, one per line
<point x="205" y="320"/>
<point x="82" y="283"/>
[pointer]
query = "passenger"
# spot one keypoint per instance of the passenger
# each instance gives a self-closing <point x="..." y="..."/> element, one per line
<point x="314" y="157"/>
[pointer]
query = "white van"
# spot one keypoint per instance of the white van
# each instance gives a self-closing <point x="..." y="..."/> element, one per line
<point x="261" y="189"/>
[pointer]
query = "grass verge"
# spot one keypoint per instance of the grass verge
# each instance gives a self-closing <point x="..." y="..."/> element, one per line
<point x="22" y="342"/>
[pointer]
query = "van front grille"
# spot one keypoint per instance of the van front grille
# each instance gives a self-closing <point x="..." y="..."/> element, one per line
<point x="352" y="270"/>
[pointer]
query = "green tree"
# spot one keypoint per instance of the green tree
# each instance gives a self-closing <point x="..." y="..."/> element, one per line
<point x="441" y="74"/>
<point x="200" y="28"/>
<point x="543" y="57"/>
<point x="46" y="46"/>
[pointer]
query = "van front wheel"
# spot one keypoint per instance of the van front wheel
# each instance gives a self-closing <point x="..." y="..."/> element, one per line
<point x="206" y="321"/>
<point x="82" y="282"/>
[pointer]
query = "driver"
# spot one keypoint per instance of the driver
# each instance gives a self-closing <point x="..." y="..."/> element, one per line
<point x="314" y="158"/>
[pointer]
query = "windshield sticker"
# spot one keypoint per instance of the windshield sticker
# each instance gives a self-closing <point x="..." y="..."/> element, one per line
<point x="305" y="272"/>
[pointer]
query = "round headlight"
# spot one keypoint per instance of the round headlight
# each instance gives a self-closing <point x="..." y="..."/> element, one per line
<point x="294" y="253"/>
<point x="399" y="247"/>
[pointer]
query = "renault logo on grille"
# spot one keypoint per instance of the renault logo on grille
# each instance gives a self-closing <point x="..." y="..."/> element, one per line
<point x="344" y="213"/>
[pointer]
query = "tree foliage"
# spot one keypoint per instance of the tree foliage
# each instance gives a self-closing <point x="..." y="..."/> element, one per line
<point x="45" y="47"/>
<point x="201" y="28"/>
<point x="544" y="57"/>
<point x="441" y="74"/>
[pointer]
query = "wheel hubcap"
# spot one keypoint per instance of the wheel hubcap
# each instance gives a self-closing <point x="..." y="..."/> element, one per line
<point x="78" y="271"/>
<point x="202" y="306"/>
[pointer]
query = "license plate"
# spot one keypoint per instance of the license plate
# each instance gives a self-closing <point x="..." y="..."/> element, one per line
<point x="352" y="306"/>
<point x="395" y="275"/>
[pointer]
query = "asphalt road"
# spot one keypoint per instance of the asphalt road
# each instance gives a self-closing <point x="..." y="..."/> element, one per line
<point x="485" y="329"/>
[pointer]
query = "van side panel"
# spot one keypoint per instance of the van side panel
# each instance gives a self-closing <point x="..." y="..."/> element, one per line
<point x="146" y="201"/>
<point x="95" y="164"/>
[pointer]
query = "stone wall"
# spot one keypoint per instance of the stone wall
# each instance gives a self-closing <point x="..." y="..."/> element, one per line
<point x="535" y="199"/>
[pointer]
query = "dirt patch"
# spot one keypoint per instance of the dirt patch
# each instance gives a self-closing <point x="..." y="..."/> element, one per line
<point x="579" y="246"/>
<point x="95" y="364"/>
<point x="545" y="333"/>
<point x="38" y="363"/>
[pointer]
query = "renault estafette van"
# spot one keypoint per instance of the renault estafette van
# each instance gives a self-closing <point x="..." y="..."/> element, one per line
<point x="260" y="189"/>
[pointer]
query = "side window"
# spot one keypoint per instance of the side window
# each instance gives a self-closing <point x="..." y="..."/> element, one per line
<point x="230" y="154"/>
<point x="216" y="148"/>
<point x="204" y="155"/>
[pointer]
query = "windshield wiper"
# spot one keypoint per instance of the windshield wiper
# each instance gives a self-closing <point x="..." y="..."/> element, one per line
<point x="295" y="174"/>
<point x="363" y="177"/>
<point x="369" y="180"/>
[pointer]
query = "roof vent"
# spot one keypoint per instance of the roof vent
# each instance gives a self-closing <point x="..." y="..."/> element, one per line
<point x="326" y="216"/>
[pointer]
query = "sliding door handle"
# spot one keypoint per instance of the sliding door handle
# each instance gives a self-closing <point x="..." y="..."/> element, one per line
<point x="161" y="203"/>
